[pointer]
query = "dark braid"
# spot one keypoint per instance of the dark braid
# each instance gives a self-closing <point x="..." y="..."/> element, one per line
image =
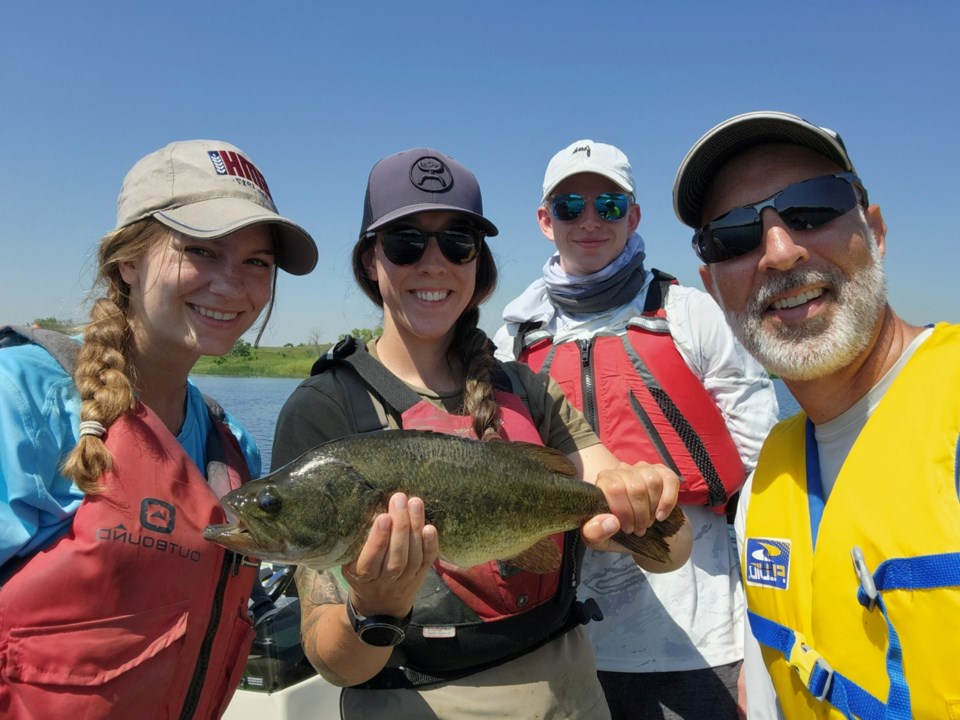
<point x="478" y="362"/>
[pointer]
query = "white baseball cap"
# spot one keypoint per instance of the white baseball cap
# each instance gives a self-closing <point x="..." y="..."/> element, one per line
<point x="587" y="156"/>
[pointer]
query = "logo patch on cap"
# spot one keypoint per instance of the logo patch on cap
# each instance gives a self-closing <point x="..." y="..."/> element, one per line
<point x="768" y="563"/>
<point x="226" y="162"/>
<point x="582" y="148"/>
<point x="430" y="174"/>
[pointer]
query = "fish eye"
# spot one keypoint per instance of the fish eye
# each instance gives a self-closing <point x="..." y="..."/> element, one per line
<point x="269" y="501"/>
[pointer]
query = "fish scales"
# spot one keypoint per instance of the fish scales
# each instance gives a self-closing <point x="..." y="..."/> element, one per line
<point x="483" y="498"/>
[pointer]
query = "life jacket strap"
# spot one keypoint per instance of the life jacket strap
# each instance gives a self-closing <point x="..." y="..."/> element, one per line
<point x="923" y="572"/>
<point x="818" y="676"/>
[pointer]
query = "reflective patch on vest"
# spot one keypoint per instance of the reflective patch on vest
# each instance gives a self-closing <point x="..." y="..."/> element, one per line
<point x="768" y="563"/>
<point x="439" y="631"/>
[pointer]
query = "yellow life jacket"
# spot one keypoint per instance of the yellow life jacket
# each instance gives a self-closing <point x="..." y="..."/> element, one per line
<point x="856" y="603"/>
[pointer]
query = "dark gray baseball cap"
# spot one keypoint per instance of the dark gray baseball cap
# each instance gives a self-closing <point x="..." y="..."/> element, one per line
<point x="733" y="136"/>
<point x="418" y="180"/>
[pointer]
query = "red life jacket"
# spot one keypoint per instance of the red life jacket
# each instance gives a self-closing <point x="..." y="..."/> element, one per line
<point x="643" y="401"/>
<point x="465" y="620"/>
<point x="132" y="614"/>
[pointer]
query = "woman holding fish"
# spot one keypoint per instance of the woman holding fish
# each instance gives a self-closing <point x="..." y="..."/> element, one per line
<point x="408" y="633"/>
<point x="112" y="605"/>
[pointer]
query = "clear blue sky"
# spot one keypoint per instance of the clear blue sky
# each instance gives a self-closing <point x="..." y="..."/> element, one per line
<point x="317" y="92"/>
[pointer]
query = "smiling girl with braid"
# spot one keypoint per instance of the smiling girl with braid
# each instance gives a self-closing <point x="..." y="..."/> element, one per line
<point x="112" y="604"/>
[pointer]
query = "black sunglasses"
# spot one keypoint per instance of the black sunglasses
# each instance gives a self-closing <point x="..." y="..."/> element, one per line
<point x="404" y="245"/>
<point x="802" y="206"/>
<point x="609" y="206"/>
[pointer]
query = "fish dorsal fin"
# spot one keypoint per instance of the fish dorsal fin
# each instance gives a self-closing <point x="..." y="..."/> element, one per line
<point x="541" y="558"/>
<point x="552" y="460"/>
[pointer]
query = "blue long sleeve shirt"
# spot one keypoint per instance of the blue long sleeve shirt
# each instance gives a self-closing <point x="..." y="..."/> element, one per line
<point x="39" y="426"/>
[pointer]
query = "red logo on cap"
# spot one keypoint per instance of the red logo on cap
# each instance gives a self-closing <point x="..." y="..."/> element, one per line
<point x="227" y="162"/>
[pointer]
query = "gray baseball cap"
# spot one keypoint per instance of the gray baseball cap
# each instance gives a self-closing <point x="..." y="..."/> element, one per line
<point x="207" y="189"/>
<point x="418" y="180"/>
<point x="732" y="136"/>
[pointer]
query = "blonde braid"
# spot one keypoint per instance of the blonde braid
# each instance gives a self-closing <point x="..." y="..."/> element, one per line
<point x="105" y="377"/>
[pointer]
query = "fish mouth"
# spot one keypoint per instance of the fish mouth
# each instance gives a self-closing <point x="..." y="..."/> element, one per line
<point x="238" y="536"/>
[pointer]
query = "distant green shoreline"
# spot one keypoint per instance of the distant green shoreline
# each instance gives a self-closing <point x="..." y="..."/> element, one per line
<point x="280" y="362"/>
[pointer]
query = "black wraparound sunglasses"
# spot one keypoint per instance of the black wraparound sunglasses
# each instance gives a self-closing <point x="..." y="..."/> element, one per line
<point x="802" y="206"/>
<point x="404" y="245"/>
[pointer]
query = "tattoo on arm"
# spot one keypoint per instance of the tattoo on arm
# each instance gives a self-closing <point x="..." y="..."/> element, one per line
<point x="316" y="589"/>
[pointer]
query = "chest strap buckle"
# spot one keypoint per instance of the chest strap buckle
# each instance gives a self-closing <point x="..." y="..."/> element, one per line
<point x="238" y="561"/>
<point x="815" y="672"/>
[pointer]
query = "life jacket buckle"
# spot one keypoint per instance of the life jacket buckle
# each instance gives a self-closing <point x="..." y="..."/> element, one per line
<point x="815" y="672"/>
<point x="239" y="560"/>
<point x="867" y="594"/>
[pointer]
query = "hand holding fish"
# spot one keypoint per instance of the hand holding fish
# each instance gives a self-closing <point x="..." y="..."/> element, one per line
<point x="385" y="577"/>
<point x="638" y="496"/>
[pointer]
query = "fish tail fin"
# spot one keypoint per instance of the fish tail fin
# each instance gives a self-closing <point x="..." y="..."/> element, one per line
<point x="648" y="545"/>
<point x="653" y="543"/>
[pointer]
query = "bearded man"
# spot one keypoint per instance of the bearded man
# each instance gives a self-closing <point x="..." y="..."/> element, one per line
<point x="849" y="528"/>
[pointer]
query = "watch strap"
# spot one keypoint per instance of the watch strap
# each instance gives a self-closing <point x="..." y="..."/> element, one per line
<point x="378" y="630"/>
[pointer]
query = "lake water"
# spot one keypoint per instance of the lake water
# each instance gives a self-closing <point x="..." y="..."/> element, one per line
<point x="256" y="403"/>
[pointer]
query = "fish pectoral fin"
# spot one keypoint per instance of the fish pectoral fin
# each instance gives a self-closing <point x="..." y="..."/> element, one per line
<point x="541" y="558"/>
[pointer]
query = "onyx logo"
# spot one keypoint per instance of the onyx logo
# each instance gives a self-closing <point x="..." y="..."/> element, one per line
<point x="157" y="515"/>
<point x="431" y="175"/>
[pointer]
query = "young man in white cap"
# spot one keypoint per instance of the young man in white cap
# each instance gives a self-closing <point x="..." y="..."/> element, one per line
<point x="660" y="378"/>
<point x="868" y="471"/>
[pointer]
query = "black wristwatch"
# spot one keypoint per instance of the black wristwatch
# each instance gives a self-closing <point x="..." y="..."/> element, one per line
<point x="378" y="630"/>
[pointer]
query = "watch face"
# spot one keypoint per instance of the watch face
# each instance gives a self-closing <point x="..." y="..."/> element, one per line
<point x="380" y="634"/>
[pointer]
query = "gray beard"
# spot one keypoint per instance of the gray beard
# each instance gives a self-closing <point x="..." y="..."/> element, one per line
<point x="824" y="345"/>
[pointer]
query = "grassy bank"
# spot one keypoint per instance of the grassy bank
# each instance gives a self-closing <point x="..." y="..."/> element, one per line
<point x="262" y="362"/>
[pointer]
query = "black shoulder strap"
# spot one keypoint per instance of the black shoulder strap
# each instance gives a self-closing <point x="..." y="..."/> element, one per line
<point x="505" y="379"/>
<point x="657" y="294"/>
<point x="377" y="380"/>
<point x="217" y="413"/>
<point x="63" y="348"/>
<point x="389" y="389"/>
<point x="528" y="332"/>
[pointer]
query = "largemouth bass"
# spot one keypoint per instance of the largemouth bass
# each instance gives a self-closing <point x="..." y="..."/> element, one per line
<point x="488" y="501"/>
